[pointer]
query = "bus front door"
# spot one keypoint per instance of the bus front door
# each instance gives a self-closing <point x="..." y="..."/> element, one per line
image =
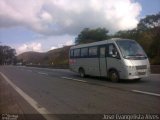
<point x="102" y="61"/>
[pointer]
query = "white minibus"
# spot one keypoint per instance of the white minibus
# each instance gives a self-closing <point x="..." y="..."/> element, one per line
<point x="115" y="59"/>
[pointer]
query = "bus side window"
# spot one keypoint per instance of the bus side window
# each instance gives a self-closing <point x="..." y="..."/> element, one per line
<point x="84" y="52"/>
<point x="93" y="51"/>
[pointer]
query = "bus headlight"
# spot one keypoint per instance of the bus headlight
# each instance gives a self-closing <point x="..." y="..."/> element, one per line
<point x="149" y="70"/>
<point x="131" y="67"/>
<point x="131" y="70"/>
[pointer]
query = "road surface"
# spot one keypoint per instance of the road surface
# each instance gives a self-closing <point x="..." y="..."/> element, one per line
<point x="60" y="91"/>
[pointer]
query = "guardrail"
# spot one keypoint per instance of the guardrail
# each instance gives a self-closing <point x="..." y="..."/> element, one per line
<point x="155" y="69"/>
<point x="50" y="66"/>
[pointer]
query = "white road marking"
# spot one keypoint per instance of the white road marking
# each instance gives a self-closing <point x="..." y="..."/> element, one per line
<point x="148" y="93"/>
<point x="136" y="91"/>
<point x="74" y="79"/>
<point x="42" y="73"/>
<point x="43" y="111"/>
<point x="51" y="69"/>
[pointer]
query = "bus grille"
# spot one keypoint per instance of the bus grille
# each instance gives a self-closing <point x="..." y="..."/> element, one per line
<point x="141" y="67"/>
<point x="141" y="73"/>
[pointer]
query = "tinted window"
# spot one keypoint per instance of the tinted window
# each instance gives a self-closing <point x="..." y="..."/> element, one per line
<point x="131" y="49"/>
<point x="111" y="49"/>
<point x="84" y="52"/>
<point x="76" y="52"/>
<point x="93" y="51"/>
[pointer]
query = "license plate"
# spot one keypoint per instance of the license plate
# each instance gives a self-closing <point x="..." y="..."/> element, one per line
<point x="141" y="73"/>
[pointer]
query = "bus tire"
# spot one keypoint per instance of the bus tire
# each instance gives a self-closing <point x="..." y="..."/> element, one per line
<point x="82" y="72"/>
<point x="138" y="79"/>
<point x="113" y="76"/>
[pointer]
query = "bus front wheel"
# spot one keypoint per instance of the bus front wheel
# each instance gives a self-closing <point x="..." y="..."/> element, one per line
<point x="113" y="76"/>
<point x="81" y="72"/>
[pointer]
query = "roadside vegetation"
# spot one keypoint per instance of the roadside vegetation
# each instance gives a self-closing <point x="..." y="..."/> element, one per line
<point x="147" y="34"/>
<point x="7" y="55"/>
<point x="54" y="58"/>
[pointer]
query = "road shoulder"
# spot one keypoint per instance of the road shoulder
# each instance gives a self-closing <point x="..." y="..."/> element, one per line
<point x="13" y="105"/>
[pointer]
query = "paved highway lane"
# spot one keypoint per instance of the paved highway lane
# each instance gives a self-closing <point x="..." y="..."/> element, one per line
<point x="62" y="91"/>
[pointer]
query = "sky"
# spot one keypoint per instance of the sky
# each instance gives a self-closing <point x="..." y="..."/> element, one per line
<point x="43" y="25"/>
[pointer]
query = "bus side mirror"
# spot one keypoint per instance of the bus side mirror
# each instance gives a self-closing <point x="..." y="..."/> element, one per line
<point x="115" y="54"/>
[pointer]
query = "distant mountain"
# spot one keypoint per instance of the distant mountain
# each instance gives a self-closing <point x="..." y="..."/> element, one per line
<point x="31" y="57"/>
<point x="53" y="57"/>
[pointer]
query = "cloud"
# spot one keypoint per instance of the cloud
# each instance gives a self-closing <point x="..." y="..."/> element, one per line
<point x="57" y="17"/>
<point x="29" y="47"/>
<point x="53" y="47"/>
<point x="70" y="42"/>
<point x="45" y="43"/>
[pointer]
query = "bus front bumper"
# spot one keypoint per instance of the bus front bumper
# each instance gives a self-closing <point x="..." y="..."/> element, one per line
<point x="136" y="75"/>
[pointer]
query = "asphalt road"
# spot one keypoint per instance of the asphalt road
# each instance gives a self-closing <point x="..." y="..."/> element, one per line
<point x="61" y="91"/>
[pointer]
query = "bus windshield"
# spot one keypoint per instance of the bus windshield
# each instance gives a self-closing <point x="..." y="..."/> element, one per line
<point x="131" y="49"/>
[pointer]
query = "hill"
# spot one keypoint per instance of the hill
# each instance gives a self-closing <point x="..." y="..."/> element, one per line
<point x="53" y="57"/>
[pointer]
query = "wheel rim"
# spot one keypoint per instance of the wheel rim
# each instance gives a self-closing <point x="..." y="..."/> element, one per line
<point x="114" y="77"/>
<point x="81" y="73"/>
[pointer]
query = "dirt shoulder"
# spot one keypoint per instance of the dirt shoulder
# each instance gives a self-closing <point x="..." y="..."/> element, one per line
<point x="155" y="69"/>
<point x="13" y="106"/>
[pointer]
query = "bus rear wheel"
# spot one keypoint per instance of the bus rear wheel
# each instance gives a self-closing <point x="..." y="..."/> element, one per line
<point x="82" y="72"/>
<point x="113" y="76"/>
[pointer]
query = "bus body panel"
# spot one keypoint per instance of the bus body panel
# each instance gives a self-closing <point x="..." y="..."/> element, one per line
<point x="116" y="64"/>
<point x="90" y="68"/>
<point x="93" y="66"/>
<point x="103" y="67"/>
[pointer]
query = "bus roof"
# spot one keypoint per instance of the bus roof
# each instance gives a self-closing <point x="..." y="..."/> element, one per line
<point x="96" y="43"/>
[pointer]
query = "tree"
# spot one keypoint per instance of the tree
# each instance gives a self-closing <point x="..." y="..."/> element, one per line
<point x="127" y="34"/>
<point x="155" y="45"/>
<point x="7" y="55"/>
<point x="147" y="34"/>
<point x="91" y="35"/>
<point x="150" y="21"/>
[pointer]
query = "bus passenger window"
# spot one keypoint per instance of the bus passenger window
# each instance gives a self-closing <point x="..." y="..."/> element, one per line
<point x="84" y="52"/>
<point x="93" y="51"/>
